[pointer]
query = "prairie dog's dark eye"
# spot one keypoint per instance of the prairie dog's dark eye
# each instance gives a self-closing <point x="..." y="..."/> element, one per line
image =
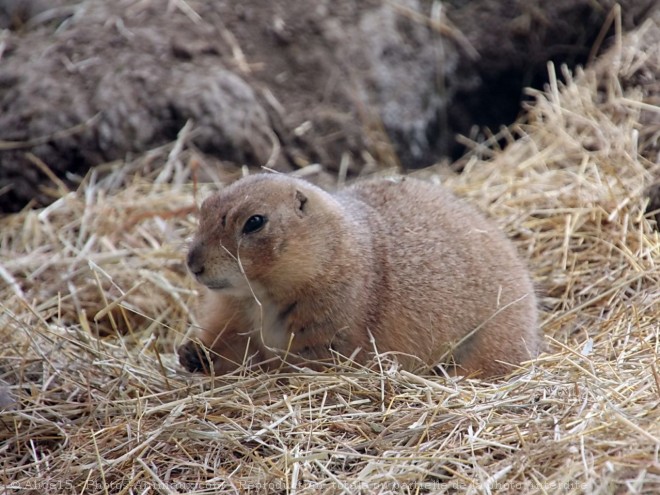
<point x="254" y="223"/>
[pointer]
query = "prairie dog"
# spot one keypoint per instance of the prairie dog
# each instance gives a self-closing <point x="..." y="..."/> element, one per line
<point x="291" y="272"/>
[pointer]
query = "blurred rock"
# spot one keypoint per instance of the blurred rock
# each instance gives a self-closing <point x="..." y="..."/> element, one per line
<point x="286" y="83"/>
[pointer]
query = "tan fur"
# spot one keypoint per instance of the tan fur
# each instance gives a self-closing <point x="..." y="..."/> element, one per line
<point x="402" y="260"/>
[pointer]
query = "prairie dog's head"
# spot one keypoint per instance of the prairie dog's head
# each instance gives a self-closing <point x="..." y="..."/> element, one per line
<point x="264" y="229"/>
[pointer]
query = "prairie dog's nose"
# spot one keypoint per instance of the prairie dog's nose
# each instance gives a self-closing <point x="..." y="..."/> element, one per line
<point x="195" y="260"/>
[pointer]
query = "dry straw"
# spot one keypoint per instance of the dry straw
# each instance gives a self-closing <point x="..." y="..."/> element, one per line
<point x="93" y="296"/>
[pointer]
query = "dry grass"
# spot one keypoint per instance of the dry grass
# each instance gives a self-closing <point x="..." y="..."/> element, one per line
<point x="115" y="414"/>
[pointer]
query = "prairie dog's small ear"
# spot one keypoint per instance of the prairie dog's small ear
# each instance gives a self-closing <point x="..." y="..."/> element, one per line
<point x="301" y="202"/>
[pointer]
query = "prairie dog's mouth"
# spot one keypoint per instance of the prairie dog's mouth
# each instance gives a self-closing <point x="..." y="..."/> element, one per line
<point x="217" y="284"/>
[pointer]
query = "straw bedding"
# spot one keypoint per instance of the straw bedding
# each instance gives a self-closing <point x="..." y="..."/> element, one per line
<point x="94" y="296"/>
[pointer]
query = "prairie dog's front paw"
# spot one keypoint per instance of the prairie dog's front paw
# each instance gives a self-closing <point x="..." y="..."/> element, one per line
<point x="193" y="357"/>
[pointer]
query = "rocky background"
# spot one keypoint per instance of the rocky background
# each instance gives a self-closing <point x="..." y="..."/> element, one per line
<point x="280" y="83"/>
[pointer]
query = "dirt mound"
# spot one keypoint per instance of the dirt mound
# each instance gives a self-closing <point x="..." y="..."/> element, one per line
<point x="279" y="83"/>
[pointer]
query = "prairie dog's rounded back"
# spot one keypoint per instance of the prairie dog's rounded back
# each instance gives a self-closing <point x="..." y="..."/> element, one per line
<point x="459" y="274"/>
<point x="293" y="271"/>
